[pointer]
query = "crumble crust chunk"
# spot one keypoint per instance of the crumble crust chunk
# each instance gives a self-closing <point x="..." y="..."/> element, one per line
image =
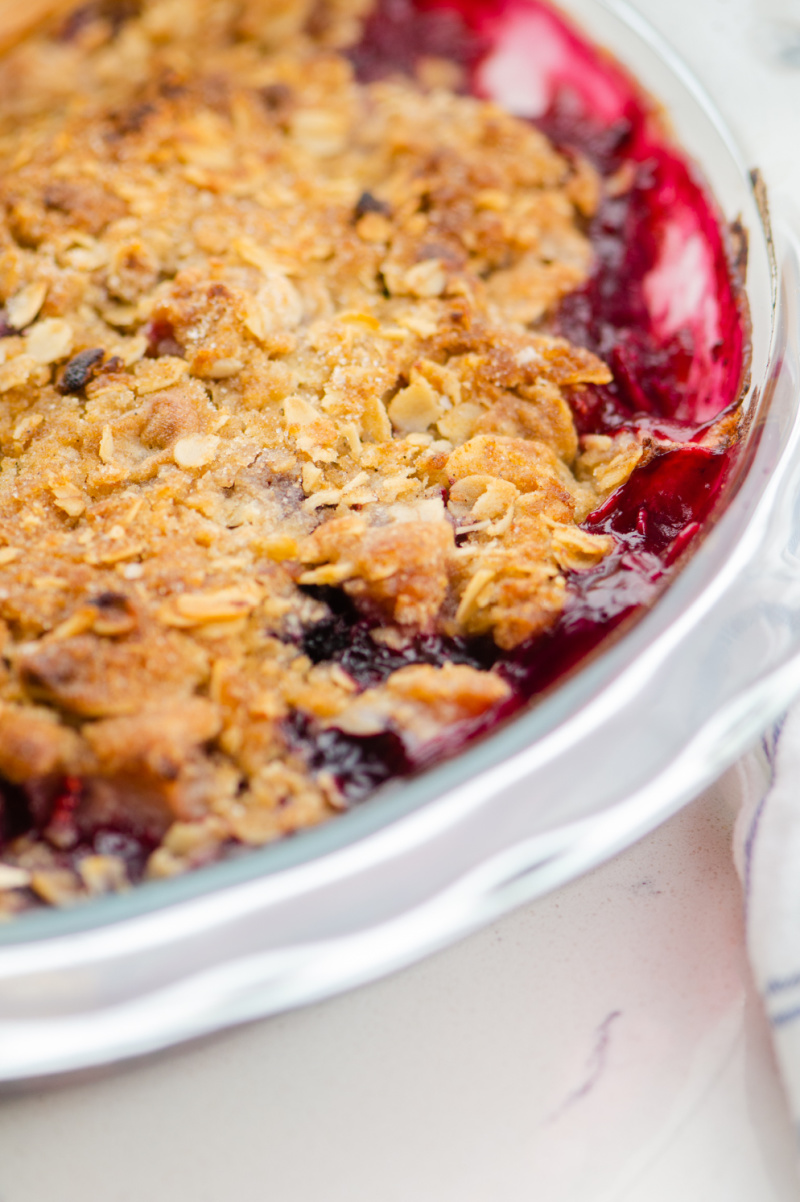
<point x="268" y="332"/>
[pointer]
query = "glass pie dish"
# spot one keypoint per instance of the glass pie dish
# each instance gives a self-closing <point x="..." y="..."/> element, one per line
<point x="612" y="751"/>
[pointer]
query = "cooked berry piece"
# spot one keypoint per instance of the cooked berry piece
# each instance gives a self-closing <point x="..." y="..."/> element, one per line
<point x="80" y="370"/>
<point x="367" y="203"/>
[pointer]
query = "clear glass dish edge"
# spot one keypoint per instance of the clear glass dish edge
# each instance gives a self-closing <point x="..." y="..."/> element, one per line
<point x="337" y="908"/>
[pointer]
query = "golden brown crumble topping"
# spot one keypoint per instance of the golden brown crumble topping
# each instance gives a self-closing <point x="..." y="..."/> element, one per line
<point x="267" y="328"/>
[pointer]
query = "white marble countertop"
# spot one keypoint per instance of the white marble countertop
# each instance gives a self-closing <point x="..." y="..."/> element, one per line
<point x="604" y="1043"/>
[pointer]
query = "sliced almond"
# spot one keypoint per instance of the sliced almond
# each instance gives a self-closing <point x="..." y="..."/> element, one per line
<point x="50" y="340"/>
<point x="329" y="573"/>
<point x="69" y="498"/>
<point x="471" y="598"/>
<point x="223" y="369"/>
<point x="27" y="426"/>
<point x="24" y="306"/>
<point x="426" y="279"/>
<point x="103" y="874"/>
<point x="107" y="445"/>
<point x="195" y="450"/>
<point x="151" y="375"/>
<point x="56" y="886"/>
<point x="195" y="609"/>
<point x="299" y="412"/>
<point x="415" y="408"/>
<point x="12" y="877"/>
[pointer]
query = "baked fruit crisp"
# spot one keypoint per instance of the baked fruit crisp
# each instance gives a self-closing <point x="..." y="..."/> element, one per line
<point x="305" y="406"/>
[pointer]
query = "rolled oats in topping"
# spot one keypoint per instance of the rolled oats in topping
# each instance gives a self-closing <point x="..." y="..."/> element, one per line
<point x="276" y="343"/>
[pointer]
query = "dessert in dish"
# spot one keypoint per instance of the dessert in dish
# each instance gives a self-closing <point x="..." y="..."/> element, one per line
<point x="341" y="410"/>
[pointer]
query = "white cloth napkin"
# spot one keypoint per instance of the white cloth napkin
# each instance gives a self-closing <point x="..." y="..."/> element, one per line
<point x="767" y="852"/>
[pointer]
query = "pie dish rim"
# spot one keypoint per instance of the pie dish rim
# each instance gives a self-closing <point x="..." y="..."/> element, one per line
<point x="436" y="796"/>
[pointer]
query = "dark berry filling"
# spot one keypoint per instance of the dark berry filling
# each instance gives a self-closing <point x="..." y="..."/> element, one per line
<point x="346" y="638"/>
<point x="357" y="765"/>
<point x="398" y="34"/>
<point x="51" y="806"/>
